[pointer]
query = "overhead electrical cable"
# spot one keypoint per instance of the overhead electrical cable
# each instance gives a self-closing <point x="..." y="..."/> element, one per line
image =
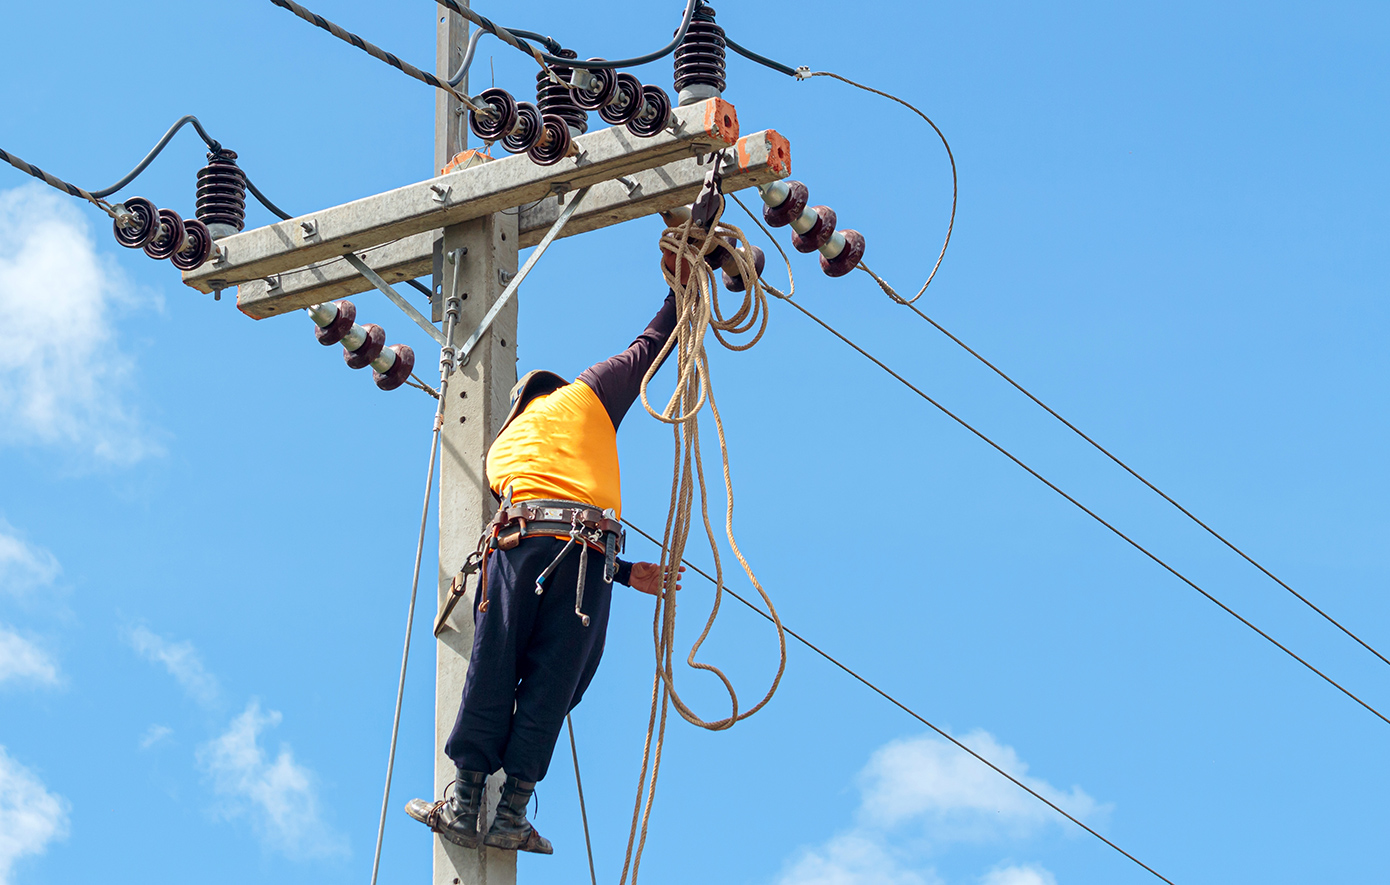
<point x="97" y="198"/>
<point x="377" y="52"/>
<point x="904" y="707"/>
<point x="159" y="148"/>
<point x="803" y="74"/>
<point x="1091" y="513"/>
<point x="56" y="182"/>
<point x="512" y="38"/>
<point x="1045" y="481"/>
<point x="1130" y="470"/>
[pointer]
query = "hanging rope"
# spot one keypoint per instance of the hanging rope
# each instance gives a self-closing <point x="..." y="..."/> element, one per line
<point x="697" y="311"/>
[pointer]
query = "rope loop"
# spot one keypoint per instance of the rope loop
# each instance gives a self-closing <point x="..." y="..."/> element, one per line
<point x="698" y="310"/>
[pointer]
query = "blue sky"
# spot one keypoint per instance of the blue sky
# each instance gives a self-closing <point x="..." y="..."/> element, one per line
<point x="1172" y="227"/>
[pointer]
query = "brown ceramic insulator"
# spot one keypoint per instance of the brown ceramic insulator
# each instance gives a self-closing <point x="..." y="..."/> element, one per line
<point x="400" y="370"/>
<point x="142" y="227"/>
<point x="502" y="120"/>
<point x="554" y="144"/>
<point x="169" y="239"/>
<point x="655" y="114"/>
<point x="626" y="102"/>
<point x="528" y="129"/>
<point x="605" y="82"/>
<point x="820" y="232"/>
<point x="790" y="210"/>
<point x="197" y="246"/>
<point x="370" y="349"/>
<point x="736" y="284"/>
<point x="849" y="257"/>
<point x="341" y="325"/>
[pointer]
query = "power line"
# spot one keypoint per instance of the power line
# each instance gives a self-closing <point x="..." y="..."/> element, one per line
<point x="1091" y="513"/>
<point x="1130" y="470"/>
<point x="97" y="198"/>
<point x="908" y="710"/>
<point x="159" y="148"/>
<point x="373" y="50"/>
<point x="955" y="184"/>
<point x="511" y="39"/>
<point x="56" y="182"/>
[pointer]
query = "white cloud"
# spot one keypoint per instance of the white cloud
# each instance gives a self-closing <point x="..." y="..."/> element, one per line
<point x="928" y="781"/>
<point x="854" y="858"/>
<point x="1029" y="875"/>
<point x="921" y="796"/>
<point x="23" y="566"/>
<point x="67" y="374"/>
<point x="277" y="795"/>
<point x="153" y="735"/>
<point x="182" y="662"/>
<point x="22" y="661"/>
<point x="30" y="816"/>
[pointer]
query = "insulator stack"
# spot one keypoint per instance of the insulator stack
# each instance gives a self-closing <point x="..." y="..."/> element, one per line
<point x="162" y="233"/>
<point x="363" y="345"/>
<point x="222" y="194"/>
<point x="558" y="99"/>
<point x="700" y="59"/>
<point x="813" y="228"/>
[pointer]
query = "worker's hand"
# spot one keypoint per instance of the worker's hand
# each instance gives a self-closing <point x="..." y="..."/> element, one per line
<point x="646" y="576"/>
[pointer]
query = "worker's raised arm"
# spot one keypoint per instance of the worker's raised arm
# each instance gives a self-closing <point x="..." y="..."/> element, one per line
<point x="618" y="379"/>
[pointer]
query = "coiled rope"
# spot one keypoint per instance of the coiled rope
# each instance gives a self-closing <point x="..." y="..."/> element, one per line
<point x="697" y="310"/>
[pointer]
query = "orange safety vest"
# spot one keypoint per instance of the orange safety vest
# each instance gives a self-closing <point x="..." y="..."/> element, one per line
<point x="562" y="446"/>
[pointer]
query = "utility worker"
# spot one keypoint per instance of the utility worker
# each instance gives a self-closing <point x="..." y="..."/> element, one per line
<point x="548" y="561"/>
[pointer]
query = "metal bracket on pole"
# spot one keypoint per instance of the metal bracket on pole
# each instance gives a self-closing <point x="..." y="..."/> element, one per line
<point x="507" y="293"/>
<point x="409" y="309"/>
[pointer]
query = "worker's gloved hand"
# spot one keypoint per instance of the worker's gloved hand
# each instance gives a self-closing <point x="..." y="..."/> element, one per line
<point x="646" y="576"/>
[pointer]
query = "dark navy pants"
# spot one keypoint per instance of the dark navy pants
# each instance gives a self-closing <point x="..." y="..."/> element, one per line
<point x="532" y="659"/>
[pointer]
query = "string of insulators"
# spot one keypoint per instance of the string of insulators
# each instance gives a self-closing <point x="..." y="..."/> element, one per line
<point x="545" y="131"/>
<point x="362" y="345"/>
<point x="162" y="233"/>
<point x="813" y="228"/>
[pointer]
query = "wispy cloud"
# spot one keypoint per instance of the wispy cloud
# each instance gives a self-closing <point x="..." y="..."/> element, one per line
<point x="68" y="374"/>
<point x="23" y="662"/>
<point x="181" y="660"/>
<point x="278" y="795"/>
<point x="1029" y="875"/>
<point x="30" y="816"/>
<point x="854" y="858"/>
<point x="23" y="566"/>
<point x="153" y="735"/>
<point x="921" y="796"/>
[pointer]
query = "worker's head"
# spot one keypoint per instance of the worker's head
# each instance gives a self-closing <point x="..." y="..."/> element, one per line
<point x="533" y="384"/>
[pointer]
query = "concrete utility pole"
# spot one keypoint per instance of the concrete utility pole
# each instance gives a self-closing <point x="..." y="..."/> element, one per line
<point x="483" y="215"/>
<point x="472" y="417"/>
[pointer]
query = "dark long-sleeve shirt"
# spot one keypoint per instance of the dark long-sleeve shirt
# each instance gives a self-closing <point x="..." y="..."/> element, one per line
<point x="618" y="380"/>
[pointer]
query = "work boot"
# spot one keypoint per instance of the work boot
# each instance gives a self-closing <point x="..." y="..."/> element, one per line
<point x="454" y="817"/>
<point x="510" y="829"/>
